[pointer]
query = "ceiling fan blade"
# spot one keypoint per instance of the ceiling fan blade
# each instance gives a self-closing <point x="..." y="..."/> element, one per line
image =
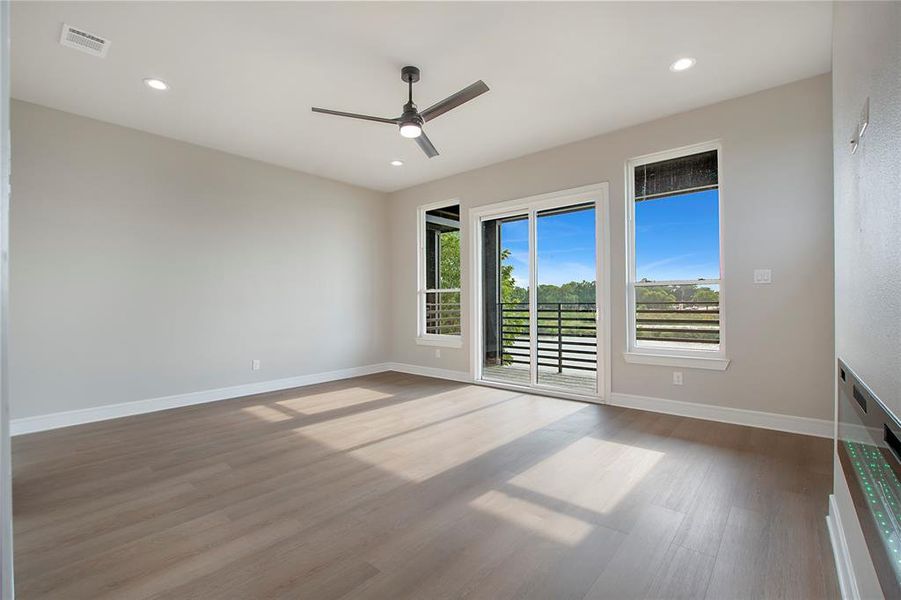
<point x="355" y="115"/>
<point x="426" y="144"/>
<point x="451" y="102"/>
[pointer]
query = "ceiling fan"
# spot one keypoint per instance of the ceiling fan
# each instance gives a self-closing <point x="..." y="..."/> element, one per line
<point x="411" y="121"/>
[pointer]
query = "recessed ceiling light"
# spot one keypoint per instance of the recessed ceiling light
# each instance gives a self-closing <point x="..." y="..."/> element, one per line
<point x="683" y="64"/>
<point x="397" y="163"/>
<point x="156" y="84"/>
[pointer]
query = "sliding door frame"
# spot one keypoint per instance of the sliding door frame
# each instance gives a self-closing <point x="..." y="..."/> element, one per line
<point x="531" y="205"/>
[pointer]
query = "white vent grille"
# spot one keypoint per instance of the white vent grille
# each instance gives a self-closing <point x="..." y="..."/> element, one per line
<point x="80" y="39"/>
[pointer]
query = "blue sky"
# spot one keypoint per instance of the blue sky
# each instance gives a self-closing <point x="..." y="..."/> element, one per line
<point x="676" y="238"/>
<point x="565" y="248"/>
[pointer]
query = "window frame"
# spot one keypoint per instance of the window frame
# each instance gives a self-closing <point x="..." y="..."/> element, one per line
<point x="676" y="357"/>
<point x="422" y="337"/>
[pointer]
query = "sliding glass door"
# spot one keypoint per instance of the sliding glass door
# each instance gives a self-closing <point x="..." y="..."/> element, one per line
<point x="539" y="295"/>
<point x="566" y="296"/>
<point x="506" y="302"/>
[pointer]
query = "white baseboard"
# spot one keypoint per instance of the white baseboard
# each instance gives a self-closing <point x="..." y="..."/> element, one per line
<point x="843" y="567"/>
<point x="752" y="418"/>
<point x="137" y="407"/>
<point x="724" y="414"/>
<point x="461" y="376"/>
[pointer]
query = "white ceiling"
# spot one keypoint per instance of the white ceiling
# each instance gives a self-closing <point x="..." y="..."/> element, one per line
<point x="244" y="75"/>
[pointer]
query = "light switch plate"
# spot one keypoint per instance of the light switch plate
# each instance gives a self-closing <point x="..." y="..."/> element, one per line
<point x="763" y="276"/>
<point x="677" y="377"/>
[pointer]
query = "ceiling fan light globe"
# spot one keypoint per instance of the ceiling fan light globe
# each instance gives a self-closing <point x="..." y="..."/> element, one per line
<point x="410" y="130"/>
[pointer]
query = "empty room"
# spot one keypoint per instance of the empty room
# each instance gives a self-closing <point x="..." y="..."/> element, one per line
<point x="424" y="300"/>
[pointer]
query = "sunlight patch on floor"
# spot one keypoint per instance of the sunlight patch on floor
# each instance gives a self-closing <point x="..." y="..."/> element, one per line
<point x="266" y="413"/>
<point x="438" y="435"/>
<point x="548" y="523"/>
<point x="371" y="425"/>
<point x="591" y="473"/>
<point x="425" y="453"/>
<point x="323" y="402"/>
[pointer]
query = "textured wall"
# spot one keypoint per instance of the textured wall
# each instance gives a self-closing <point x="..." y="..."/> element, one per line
<point x="867" y="63"/>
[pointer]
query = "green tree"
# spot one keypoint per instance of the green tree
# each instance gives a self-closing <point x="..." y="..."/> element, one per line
<point x="510" y="293"/>
<point x="655" y="294"/>
<point x="449" y="259"/>
<point x="705" y="294"/>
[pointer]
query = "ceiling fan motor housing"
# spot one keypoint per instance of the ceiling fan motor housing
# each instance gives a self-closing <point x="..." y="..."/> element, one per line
<point x="409" y="74"/>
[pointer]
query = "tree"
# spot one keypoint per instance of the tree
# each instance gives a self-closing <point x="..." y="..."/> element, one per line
<point x="705" y="294"/>
<point x="449" y="257"/>
<point x="656" y="294"/>
<point x="510" y="293"/>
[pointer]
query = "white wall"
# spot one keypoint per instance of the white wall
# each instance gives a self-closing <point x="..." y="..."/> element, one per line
<point x="776" y="172"/>
<point x="146" y="267"/>
<point x="867" y="63"/>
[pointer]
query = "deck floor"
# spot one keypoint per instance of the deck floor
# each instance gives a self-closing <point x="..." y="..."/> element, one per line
<point x="570" y="380"/>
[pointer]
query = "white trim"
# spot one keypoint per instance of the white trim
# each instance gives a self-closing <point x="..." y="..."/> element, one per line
<point x="547" y="392"/>
<point x="707" y="412"/>
<point x="597" y="193"/>
<point x="724" y="414"/>
<point x="114" y="411"/>
<point x="632" y="346"/>
<point x="802" y="425"/>
<point x="7" y="572"/>
<point x="677" y="360"/>
<point x="844" y="568"/>
<point x="444" y="341"/>
<point x="421" y="290"/>
<point x="461" y="376"/>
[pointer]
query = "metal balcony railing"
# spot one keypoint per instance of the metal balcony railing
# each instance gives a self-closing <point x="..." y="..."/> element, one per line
<point x="682" y="322"/>
<point x="442" y="315"/>
<point x="567" y="335"/>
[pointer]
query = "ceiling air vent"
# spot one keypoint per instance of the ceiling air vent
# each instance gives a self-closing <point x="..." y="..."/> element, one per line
<point x="80" y="39"/>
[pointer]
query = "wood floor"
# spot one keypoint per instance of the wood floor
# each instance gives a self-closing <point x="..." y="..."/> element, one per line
<point x="396" y="486"/>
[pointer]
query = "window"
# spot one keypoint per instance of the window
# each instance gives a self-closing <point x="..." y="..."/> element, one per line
<point x="439" y="275"/>
<point x="675" y="289"/>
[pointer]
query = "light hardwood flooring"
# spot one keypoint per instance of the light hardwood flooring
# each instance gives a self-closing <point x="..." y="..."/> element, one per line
<point x="396" y="486"/>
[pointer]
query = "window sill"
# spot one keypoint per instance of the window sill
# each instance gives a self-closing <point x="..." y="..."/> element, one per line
<point x="444" y="341"/>
<point x="687" y="362"/>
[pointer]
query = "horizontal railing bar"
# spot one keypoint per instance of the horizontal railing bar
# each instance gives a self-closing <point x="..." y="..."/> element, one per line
<point x="564" y="359"/>
<point x="679" y="321"/>
<point x="568" y="351"/>
<point x="676" y="330"/>
<point x="676" y="311"/>
<point x="674" y="339"/>
<point x="578" y="368"/>
<point x="676" y="282"/>
<point x="547" y="303"/>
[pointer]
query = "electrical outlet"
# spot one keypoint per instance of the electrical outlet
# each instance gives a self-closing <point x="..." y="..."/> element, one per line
<point x="677" y="377"/>
<point x="763" y="276"/>
<point x="255" y="365"/>
<point x="437" y="352"/>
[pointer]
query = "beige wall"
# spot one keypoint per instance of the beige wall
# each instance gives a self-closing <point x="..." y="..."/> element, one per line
<point x="146" y="267"/>
<point x="777" y="208"/>
<point x="867" y="63"/>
